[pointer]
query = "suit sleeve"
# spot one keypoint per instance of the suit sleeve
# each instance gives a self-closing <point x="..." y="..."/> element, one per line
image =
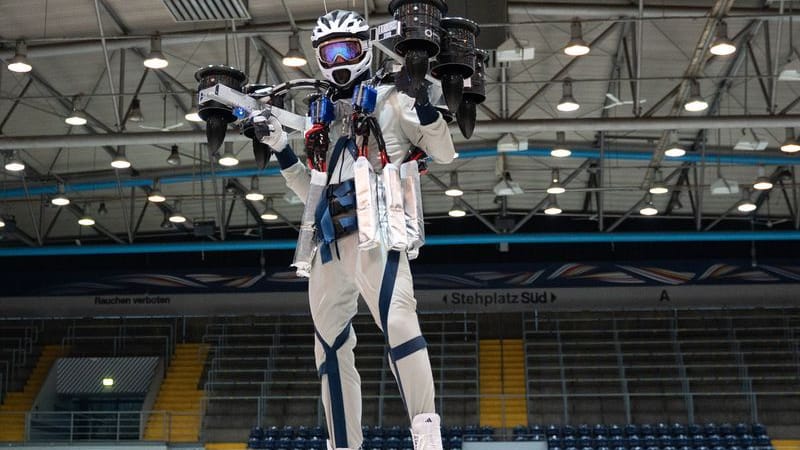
<point x="435" y="138"/>
<point x="297" y="179"/>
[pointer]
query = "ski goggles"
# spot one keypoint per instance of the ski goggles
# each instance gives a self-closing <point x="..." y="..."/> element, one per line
<point x="340" y="52"/>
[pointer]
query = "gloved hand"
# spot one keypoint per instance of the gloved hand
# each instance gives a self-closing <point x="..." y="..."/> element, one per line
<point x="426" y="112"/>
<point x="269" y="131"/>
<point x="317" y="142"/>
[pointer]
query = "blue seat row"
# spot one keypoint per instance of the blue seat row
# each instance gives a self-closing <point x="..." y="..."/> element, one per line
<point x="660" y="429"/>
<point x="285" y="443"/>
<point x="666" y="440"/>
<point x="766" y="447"/>
<point x="289" y="432"/>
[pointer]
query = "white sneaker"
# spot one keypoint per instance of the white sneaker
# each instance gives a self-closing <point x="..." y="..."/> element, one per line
<point x="426" y="432"/>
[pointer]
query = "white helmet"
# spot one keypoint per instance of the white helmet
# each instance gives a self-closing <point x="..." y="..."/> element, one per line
<point x="341" y="42"/>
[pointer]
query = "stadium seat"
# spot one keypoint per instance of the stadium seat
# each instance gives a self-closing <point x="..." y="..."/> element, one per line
<point x="519" y="430"/>
<point x="302" y="432"/>
<point x="681" y="440"/>
<point x="650" y="441"/>
<point x="553" y="430"/>
<point x="392" y="443"/>
<point x="487" y="438"/>
<point x="602" y="448"/>
<point x="394" y="431"/>
<point x="762" y="440"/>
<point x="408" y="443"/>
<point x="719" y="447"/>
<point x="634" y="440"/>
<point x="741" y="429"/>
<point x="568" y="430"/>
<point x="377" y="431"/>
<point x="665" y="440"/>
<point x="315" y="443"/>
<point x="645" y="429"/>
<point x="587" y="448"/>
<point x="685" y="448"/>
<point x="536" y="429"/>
<point x="273" y="432"/>
<point x="745" y="440"/>
<point x="713" y="440"/>
<point x="677" y="429"/>
<point x="570" y="441"/>
<point x="299" y="443"/>
<point x="668" y="448"/>
<point x="584" y="441"/>
<point x="730" y="440"/>
<point x="600" y="430"/>
<point x="694" y="429"/>
<point x="661" y="429"/>
<point x="734" y="447"/>
<point x="376" y="443"/>
<point x="726" y="429"/>
<point x="653" y="448"/>
<point x="319" y="432"/>
<point x="284" y="443"/>
<point x="759" y="429"/>
<point x="620" y="447"/>
<point x="698" y="440"/>
<point x="710" y="428"/>
<point x="487" y="430"/>
<point x="287" y="432"/>
<point x="616" y="441"/>
<point x="584" y="430"/>
<point x="456" y="430"/>
<point x="600" y="441"/>
<point x="615" y="430"/>
<point x="631" y="429"/>
<point x="553" y="441"/>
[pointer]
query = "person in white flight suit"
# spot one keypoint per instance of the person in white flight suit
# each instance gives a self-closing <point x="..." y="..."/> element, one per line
<point x="382" y="276"/>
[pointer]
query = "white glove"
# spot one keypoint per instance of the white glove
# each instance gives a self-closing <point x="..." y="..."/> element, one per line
<point x="270" y="132"/>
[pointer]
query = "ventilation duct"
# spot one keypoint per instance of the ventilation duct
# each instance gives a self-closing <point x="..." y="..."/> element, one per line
<point x="207" y="10"/>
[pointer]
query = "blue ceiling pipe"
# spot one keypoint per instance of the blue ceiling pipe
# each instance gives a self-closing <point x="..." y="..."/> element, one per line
<point x="444" y="240"/>
<point x="466" y="154"/>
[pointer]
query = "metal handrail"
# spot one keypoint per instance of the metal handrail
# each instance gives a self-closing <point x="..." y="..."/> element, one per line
<point x="72" y="426"/>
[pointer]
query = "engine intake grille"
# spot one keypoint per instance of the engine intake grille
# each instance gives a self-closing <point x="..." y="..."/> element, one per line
<point x="207" y="10"/>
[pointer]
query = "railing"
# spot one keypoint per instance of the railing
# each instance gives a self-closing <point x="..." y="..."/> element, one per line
<point x="119" y="343"/>
<point x="707" y="353"/>
<point x="110" y="426"/>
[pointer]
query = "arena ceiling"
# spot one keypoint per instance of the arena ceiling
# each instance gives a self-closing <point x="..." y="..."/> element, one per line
<point x="90" y="53"/>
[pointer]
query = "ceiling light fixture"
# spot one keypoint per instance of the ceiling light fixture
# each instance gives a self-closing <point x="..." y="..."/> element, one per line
<point x="253" y="194"/>
<point x="228" y="159"/>
<point x="155" y="194"/>
<point x="174" y="158"/>
<point x="696" y="102"/>
<point x="790" y="145"/>
<point x="155" y="59"/>
<point x="762" y="183"/>
<point x="674" y="149"/>
<point x="2" y="223"/>
<point x="745" y="205"/>
<point x="567" y="102"/>
<point x="194" y="114"/>
<point x="649" y="209"/>
<point x="454" y="190"/>
<point x="658" y="187"/>
<point x="552" y="208"/>
<point x="176" y="216"/>
<point x="77" y="118"/>
<point x="556" y="188"/>
<point x="269" y="213"/>
<point x="456" y="210"/>
<point x="14" y="163"/>
<point x="294" y="58"/>
<point x="86" y="220"/>
<point x="560" y="150"/>
<point x="120" y="161"/>
<point x="19" y="63"/>
<point x="135" y="115"/>
<point x="60" y="199"/>
<point x="722" y="45"/>
<point x="576" y="45"/>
